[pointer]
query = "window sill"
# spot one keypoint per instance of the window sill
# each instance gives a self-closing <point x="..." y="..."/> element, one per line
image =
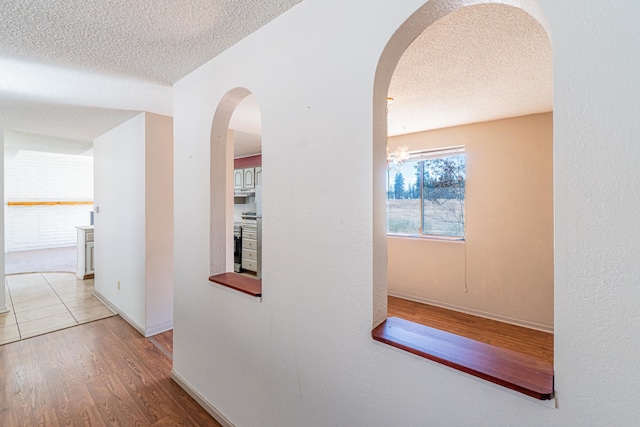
<point x="239" y="283"/>
<point x="515" y="371"/>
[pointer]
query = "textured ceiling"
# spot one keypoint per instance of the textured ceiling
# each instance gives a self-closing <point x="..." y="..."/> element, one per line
<point x="75" y="68"/>
<point x="156" y="40"/>
<point x="479" y="63"/>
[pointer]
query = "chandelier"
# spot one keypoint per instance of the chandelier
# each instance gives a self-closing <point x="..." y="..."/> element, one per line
<point x="398" y="157"/>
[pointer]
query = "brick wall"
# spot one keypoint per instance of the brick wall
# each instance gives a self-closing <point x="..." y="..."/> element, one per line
<point x="37" y="176"/>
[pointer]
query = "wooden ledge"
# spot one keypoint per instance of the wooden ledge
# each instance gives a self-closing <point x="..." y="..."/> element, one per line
<point x="239" y="282"/>
<point x="507" y="368"/>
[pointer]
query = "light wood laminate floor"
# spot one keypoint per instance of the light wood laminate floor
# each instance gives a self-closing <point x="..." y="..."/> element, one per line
<point x="102" y="373"/>
<point x="39" y="303"/>
<point x="523" y="340"/>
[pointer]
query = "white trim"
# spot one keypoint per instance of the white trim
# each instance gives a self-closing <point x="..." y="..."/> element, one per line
<point x="436" y="153"/>
<point x="146" y="332"/>
<point x="443" y="238"/>
<point x="4" y="309"/>
<point x="491" y="316"/>
<point x="201" y="400"/>
<point x="117" y="310"/>
<point x="432" y="153"/>
<point x="158" y="329"/>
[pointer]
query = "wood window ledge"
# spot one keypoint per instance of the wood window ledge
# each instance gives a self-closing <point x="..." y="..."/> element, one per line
<point x="247" y="285"/>
<point x="516" y="371"/>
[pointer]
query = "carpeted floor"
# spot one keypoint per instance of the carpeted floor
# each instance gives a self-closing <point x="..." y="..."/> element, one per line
<point x="41" y="260"/>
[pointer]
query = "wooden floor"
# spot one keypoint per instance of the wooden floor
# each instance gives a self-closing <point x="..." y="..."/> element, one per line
<point x="523" y="340"/>
<point x="102" y="373"/>
<point x="164" y="342"/>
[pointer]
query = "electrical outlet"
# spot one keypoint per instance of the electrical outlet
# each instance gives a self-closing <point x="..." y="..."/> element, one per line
<point x="118" y="284"/>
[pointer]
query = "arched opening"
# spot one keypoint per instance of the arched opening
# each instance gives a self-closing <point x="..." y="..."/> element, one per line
<point x="472" y="100"/>
<point x="236" y="190"/>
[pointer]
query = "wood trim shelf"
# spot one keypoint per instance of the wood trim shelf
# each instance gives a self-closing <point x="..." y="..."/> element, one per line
<point x="510" y="369"/>
<point x="239" y="282"/>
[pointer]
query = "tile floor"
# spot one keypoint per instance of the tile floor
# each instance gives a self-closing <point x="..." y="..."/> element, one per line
<point x="45" y="302"/>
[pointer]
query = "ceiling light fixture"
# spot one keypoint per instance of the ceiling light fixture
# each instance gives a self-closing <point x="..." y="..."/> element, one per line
<point x="398" y="157"/>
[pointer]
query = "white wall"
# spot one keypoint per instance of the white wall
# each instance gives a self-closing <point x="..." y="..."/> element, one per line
<point x="40" y="176"/>
<point x="504" y="267"/>
<point x="134" y="226"/>
<point x="159" y="223"/>
<point x="304" y="356"/>
<point x="120" y="218"/>
<point x="3" y="301"/>
<point x="39" y="227"/>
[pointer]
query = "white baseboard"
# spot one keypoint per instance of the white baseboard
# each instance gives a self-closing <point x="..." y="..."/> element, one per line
<point x="499" y="318"/>
<point x="4" y="309"/>
<point x="158" y="329"/>
<point x="201" y="400"/>
<point x="129" y="320"/>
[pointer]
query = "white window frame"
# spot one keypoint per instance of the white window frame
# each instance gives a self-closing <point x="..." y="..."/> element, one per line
<point x="416" y="156"/>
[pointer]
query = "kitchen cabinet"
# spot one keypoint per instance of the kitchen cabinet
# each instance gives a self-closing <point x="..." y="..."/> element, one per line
<point x="258" y="175"/>
<point x="249" y="249"/>
<point x="89" y="258"/>
<point x="249" y="178"/>
<point x="244" y="178"/>
<point x="238" y="179"/>
<point x="85" y="252"/>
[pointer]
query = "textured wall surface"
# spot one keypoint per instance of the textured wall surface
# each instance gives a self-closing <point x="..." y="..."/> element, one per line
<point x="304" y="355"/>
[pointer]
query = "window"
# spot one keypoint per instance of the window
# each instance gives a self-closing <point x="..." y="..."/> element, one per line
<point x="425" y="194"/>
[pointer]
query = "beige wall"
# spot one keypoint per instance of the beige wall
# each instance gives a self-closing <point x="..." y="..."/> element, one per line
<point x="506" y="260"/>
<point x="158" y="223"/>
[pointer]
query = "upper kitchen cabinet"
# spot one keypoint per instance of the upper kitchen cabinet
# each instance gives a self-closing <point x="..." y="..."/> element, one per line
<point x="258" y="175"/>
<point x="238" y="179"/>
<point x="244" y="178"/>
<point x="249" y="178"/>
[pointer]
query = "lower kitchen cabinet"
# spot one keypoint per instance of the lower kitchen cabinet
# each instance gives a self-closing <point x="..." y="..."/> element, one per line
<point x="249" y="249"/>
<point x="85" y="252"/>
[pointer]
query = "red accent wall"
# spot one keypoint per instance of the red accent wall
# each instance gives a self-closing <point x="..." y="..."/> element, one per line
<point x="247" y="162"/>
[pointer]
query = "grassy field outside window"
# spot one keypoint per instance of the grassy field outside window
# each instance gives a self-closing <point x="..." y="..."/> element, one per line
<point x="426" y="196"/>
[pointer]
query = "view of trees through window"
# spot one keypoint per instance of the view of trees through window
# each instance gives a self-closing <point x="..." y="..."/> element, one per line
<point x="426" y="196"/>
